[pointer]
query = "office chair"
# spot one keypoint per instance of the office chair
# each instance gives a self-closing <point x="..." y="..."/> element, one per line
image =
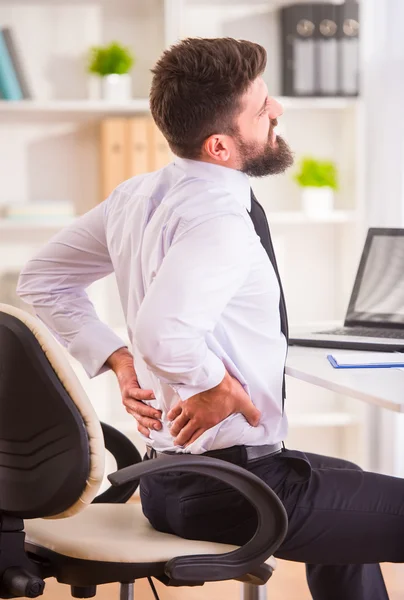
<point x="53" y="524"/>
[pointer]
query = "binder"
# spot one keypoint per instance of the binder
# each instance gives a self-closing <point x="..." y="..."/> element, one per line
<point x="366" y="360"/>
<point x="139" y="141"/>
<point x="114" y="154"/>
<point x="17" y="64"/>
<point x="327" y="24"/>
<point x="130" y="147"/>
<point x="287" y="38"/>
<point x="9" y="86"/>
<point x="349" y="48"/>
<point x="160" y="153"/>
<point x="298" y="50"/>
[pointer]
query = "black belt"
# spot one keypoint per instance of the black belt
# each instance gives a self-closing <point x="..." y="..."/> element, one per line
<point x="252" y="452"/>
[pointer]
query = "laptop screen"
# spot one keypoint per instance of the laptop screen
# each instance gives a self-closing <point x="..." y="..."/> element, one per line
<point x="378" y="294"/>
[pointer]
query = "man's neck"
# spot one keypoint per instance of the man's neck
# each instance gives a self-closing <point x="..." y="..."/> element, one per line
<point x="229" y="164"/>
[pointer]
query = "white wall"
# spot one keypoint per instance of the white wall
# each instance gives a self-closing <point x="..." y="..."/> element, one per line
<point x="383" y="101"/>
<point x="383" y="166"/>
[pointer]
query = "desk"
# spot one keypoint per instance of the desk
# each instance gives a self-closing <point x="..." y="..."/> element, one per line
<point x="379" y="388"/>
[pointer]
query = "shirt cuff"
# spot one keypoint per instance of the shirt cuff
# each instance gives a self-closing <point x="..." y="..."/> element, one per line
<point x="215" y="370"/>
<point x="93" y="345"/>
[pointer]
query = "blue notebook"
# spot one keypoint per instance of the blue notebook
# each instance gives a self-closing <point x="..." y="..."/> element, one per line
<point x="9" y="86"/>
<point x="366" y="360"/>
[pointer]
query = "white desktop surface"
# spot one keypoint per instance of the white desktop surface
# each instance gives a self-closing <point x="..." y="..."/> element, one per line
<point x="380" y="387"/>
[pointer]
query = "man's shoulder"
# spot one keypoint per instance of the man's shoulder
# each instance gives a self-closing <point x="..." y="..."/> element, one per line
<point x="175" y="203"/>
<point x="147" y="189"/>
<point x="199" y="200"/>
<point x="143" y="184"/>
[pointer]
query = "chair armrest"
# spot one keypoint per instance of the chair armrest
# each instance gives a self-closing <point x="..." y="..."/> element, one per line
<point x="272" y="518"/>
<point x="125" y="454"/>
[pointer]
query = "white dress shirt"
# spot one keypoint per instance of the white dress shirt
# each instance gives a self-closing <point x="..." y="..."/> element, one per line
<point x="198" y="292"/>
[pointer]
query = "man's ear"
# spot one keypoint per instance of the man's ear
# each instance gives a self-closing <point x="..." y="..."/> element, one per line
<point x="217" y="148"/>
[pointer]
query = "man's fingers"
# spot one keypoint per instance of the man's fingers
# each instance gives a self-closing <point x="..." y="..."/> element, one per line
<point x="175" y="411"/>
<point x="149" y="423"/>
<point x="178" y="424"/>
<point x="146" y="421"/>
<point x="143" y="430"/>
<point x="139" y="394"/>
<point x="251" y="413"/>
<point x="186" y="434"/>
<point x="141" y="409"/>
<point x="197" y="434"/>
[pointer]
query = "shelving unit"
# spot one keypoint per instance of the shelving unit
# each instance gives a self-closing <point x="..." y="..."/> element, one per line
<point x="323" y="103"/>
<point x="71" y="109"/>
<point x="141" y="105"/>
<point x="13" y="232"/>
<point x="49" y="151"/>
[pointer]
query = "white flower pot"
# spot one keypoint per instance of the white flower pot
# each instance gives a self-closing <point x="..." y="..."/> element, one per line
<point x="116" y="88"/>
<point x="317" y="201"/>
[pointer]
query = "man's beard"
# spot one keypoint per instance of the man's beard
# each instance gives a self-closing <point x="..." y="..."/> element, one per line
<point x="270" y="160"/>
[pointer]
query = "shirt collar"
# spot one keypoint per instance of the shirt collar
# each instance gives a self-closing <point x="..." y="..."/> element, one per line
<point x="235" y="181"/>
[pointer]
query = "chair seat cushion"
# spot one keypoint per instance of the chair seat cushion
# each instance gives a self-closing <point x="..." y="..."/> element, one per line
<point x="115" y="533"/>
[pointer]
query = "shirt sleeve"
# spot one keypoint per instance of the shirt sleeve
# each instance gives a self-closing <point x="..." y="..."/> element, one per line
<point x="54" y="283"/>
<point x="201" y="272"/>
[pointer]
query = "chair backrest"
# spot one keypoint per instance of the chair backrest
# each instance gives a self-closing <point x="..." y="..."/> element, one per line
<point x="51" y="442"/>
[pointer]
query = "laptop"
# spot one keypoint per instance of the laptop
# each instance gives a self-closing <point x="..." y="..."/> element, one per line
<point x="375" y="316"/>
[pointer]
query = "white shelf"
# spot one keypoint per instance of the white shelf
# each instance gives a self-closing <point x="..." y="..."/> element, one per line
<point x="262" y="4"/>
<point x="299" y="217"/>
<point x="23" y="232"/>
<point x="16" y="225"/>
<point x="326" y="419"/>
<point x="318" y="103"/>
<point x="76" y="109"/>
<point x="58" y="109"/>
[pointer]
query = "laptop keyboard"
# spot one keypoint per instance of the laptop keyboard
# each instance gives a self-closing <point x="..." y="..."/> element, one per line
<point x="366" y="332"/>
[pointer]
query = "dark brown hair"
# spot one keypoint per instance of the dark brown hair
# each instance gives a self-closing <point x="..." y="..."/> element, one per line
<point x="197" y="87"/>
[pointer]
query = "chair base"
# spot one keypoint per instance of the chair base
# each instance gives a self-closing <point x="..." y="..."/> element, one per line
<point x="83" y="592"/>
<point x="19" y="576"/>
<point x="253" y="592"/>
<point x="127" y="591"/>
<point x="248" y="591"/>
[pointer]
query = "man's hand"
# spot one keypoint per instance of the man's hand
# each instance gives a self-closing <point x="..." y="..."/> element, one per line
<point x="192" y="417"/>
<point x="147" y="417"/>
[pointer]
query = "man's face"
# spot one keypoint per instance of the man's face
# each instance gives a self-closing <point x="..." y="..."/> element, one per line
<point x="260" y="151"/>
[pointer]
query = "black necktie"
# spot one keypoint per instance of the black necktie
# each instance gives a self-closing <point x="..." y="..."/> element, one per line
<point x="260" y="222"/>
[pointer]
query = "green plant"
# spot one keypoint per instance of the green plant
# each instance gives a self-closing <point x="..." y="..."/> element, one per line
<point x="317" y="173"/>
<point x="106" y="60"/>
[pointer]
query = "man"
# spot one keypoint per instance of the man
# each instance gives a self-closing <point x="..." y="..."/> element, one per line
<point x="207" y="322"/>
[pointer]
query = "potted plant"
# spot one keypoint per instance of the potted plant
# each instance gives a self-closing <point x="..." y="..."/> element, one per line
<point x="319" y="182"/>
<point x="112" y="63"/>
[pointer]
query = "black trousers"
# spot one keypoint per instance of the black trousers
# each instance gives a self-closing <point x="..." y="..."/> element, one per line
<point x="342" y="521"/>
